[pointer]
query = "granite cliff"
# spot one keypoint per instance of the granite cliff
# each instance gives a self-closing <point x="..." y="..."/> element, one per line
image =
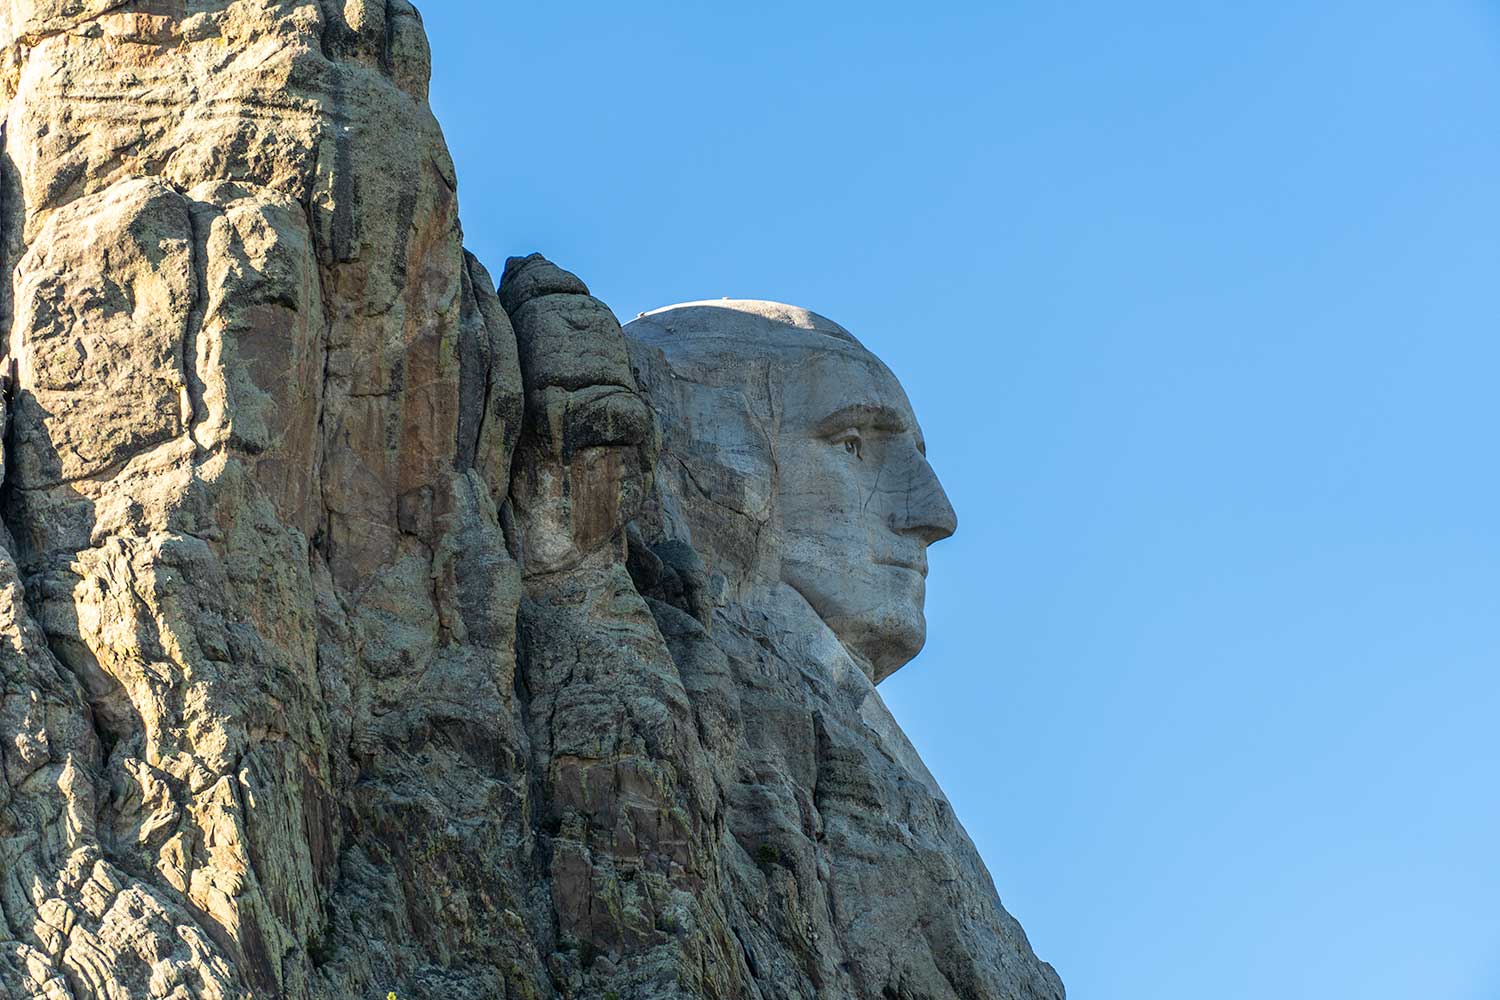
<point x="368" y="627"/>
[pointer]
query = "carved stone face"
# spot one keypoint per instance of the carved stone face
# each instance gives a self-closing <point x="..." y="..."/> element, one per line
<point x="850" y="503"/>
<point x="857" y="501"/>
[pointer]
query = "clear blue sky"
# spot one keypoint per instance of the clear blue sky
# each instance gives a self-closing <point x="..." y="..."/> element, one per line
<point x="1197" y="303"/>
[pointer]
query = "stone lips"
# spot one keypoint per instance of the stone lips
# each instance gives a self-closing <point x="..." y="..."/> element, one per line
<point x="349" y="645"/>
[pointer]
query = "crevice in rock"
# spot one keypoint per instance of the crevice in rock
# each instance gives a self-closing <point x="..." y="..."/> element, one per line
<point x="7" y="258"/>
<point x="332" y="21"/>
<point x="387" y="44"/>
<point x="192" y="385"/>
<point x="321" y="542"/>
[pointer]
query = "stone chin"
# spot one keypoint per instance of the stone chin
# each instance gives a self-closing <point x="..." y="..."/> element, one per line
<point x="883" y="626"/>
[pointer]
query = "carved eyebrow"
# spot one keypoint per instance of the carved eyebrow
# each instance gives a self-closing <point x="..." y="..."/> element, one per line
<point x="861" y="415"/>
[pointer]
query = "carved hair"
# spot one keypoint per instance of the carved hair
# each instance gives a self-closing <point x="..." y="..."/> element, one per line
<point x="713" y="371"/>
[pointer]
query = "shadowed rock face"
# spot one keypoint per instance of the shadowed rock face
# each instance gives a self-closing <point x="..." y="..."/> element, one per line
<point x="359" y="630"/>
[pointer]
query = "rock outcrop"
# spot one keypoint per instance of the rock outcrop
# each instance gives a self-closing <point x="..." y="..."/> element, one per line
<point x="355" y="636"/>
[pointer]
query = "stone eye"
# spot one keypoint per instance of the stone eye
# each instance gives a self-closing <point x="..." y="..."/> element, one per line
<point x="851" y="442"/>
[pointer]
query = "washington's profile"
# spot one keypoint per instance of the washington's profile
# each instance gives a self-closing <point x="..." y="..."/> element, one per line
<point x="819" y="469"/>
<point x="371" y="627"/>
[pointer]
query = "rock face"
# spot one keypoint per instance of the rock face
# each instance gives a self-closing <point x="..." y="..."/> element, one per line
<point x="369" y="628"/>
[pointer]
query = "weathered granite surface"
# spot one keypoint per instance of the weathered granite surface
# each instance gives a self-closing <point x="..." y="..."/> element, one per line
<point x="366" y="628"/>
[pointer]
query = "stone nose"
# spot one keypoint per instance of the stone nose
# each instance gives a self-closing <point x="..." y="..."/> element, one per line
<point x="925" y="512"/>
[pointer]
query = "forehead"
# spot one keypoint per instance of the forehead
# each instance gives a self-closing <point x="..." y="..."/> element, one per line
<point x="802" y="366"/>
<point x="819" y="380"/>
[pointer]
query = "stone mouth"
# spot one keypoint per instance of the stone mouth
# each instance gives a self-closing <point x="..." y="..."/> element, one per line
<point x="916" y="566"/>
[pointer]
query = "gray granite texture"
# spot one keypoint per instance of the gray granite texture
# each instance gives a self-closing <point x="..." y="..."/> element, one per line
<point x="366" y="627"/>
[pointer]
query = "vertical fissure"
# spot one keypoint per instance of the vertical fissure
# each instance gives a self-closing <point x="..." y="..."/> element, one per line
<point x="192" y="384"/>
